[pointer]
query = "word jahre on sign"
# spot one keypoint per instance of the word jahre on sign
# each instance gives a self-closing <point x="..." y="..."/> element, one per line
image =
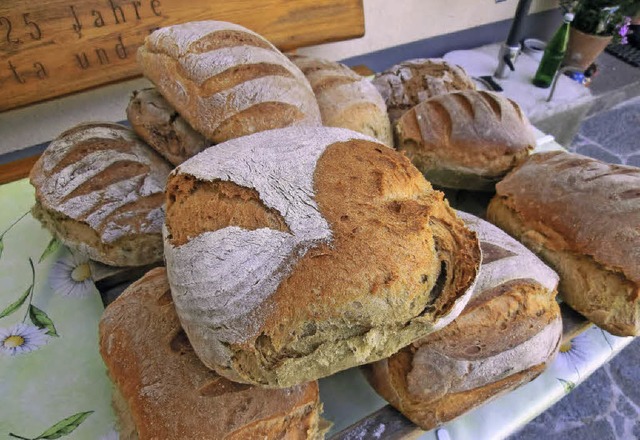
<point x="50" y="48"/>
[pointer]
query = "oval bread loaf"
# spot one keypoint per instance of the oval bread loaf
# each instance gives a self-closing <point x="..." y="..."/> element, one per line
<point x="163" y="391"/>
<point x="226" y="80"/>
<point x="346" y="99"/>
<point x="299" y="252"/>
<point x="465" y="140"/>
<point x="582" y="216"/>
<point x="507" y="334"/>
<point x="161" y="127"/>
<point x="411" y="82"/>
<point x="100" y="190"/>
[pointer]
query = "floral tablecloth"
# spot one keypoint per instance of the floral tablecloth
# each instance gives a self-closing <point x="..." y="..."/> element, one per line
<point x="53" y="382"/>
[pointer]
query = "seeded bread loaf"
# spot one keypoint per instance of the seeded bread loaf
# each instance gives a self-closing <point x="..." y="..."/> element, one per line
<point x="100" y="190"/>
<point x="160" y="126"/>
<point x="346" y="99"/>
<point x="465" y="140"/>
<point x="227" y="81"/>
<point x="296" y="253"/>
<point x="407" y="84"/>
<point x="582" y="216"/>
<point x="164" y="392"/>
<point x="506" y="336"/>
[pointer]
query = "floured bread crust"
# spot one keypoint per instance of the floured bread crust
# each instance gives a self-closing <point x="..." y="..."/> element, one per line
<point x="411" y="82"/>
<point x="508" y="332"/>
<point x="226" y="80"/>
<point x="170" y="394"/>
<point x="160" y="125"/>
<point x="465" y="140"/>
<point x="100" y="190"/>
<point x="581" y="216"/>
<point x="346" y="99"/>
<point x="299" y="252"/>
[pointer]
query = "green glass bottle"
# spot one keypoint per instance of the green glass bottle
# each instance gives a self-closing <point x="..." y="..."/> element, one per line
<point x="553" y="54"/>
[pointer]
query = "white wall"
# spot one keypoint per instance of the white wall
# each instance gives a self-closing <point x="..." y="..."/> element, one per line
<point x="392" y="22"/>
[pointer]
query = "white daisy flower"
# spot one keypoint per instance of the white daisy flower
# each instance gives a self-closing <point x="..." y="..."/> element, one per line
<point x="574" y="355"/>
<point x="71" y="276"/>
<point x="22" y="338"/>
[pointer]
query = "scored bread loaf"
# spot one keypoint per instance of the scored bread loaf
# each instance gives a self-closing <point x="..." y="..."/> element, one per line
<point x="299" y="252"/>
<point x="407" y="84"/>
<point x="465" y="140"/>
<point x="345" y="98"/>
<point x="507" y="334"/>
<point x="226" y="80"/>
<point x="160" y="126"/>
<point x="582" y="217"/>
<point x="163" y="391"/>
<point x="100" y="191"/>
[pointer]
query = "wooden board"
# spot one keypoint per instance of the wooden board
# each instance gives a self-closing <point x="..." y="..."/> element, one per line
<point x="50" y="48"/>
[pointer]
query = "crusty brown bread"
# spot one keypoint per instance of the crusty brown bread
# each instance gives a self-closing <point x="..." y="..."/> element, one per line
<point x="507" y="334"/>
<point x="345" y="98"/>
<point x="167" y="393"/>
<point x="227" y="81"/>
<point x="465" y="140"/>
<point x="161" y="127"/>
<point x="582" y="216"/>
<point x="407" y="84"/>
<point x="100" y="190"/>
<point x="299" y="252"/>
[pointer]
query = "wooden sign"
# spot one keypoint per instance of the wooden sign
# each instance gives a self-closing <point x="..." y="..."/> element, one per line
<point x="53" y="47"/>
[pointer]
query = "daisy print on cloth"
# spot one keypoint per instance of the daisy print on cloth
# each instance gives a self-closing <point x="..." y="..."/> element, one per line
<point x="50" y="368"/>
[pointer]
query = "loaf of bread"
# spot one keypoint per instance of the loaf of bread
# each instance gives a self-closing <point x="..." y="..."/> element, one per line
<point x="407" y="84"/>
<point x="465" y="140"/>
<point x="100" y="191"/>
<point x="227" y="81"/>
<point x="345" y="98"/>
<point x="582" y="216"/>
<point x="164" y="392"/>
<point x="160" y="126"/>
<point x="507" y="334"/>
<point x="299" y="252"/>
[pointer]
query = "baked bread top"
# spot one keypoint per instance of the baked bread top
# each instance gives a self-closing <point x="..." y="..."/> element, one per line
<point x="465" y="140"/>
<point x="411" y="82"/>
<point x="581" y="205"/>
<point x="170" y="394"/>
<point x="345" y="98"/>
<point x="507" y="333"/>
<point x="100" y="190"/>
<point x="299" y="252"/>
<point x="226" y="80"/>
<point x="161" y="127"/>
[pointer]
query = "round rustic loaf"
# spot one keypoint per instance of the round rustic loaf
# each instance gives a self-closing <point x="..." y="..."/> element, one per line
<point x="298" y="252"/>
<point x="160" y="126"/>
<point x="100" y="191"/>
<point x="163" y="391"/>
<point x="227" y="81"/>
<point x="465" y="140"/>
<point x="407" y="84"/>
<point x="345" y="98"/>
<point x="507" y="334"/>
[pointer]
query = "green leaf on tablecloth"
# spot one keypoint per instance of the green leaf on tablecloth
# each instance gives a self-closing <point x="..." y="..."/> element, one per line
<point x="16" y="305"/>
<point x="53" y="246"/>
<point x="567" y="384"/>
<point x="64" y="427"/>
<point x="41" y="320"/>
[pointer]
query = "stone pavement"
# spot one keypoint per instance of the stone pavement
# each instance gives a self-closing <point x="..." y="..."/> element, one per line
<point x="606" y="405"/>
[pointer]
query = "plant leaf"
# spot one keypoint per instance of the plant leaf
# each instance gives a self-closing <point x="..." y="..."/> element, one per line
<point x="567" y="384"/>
<point x="1" y="245"/>
<point x="53" y="246"/>
<point x="64" y="427"/>
<point x="41" y="320"/>
<point x="16" y="305"/>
